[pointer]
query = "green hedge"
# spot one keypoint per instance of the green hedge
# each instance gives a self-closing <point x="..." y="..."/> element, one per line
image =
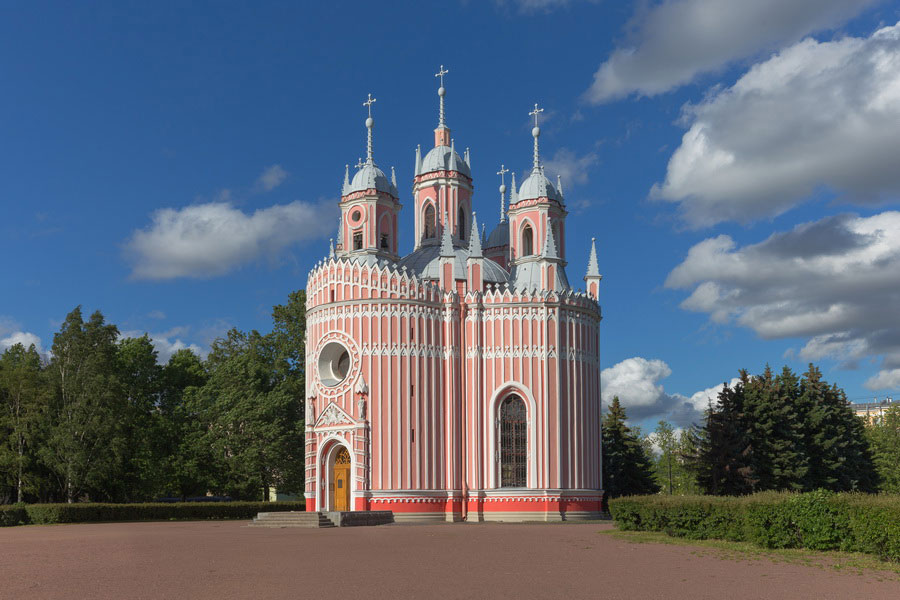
<point x="43" y="514"/>
<point x="817" y="520"/>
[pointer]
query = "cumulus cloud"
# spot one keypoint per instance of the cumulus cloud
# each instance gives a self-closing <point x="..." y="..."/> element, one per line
<point x="678" y="40"/>
<point x="816" y="116"/>
<point x="571" y="168"/>
<point x="207" y="240"/>
<point x="832" y="282"/>
<point x="636" y="381"/>
<point x="271" y="178"/>
<point x="25" y="338"/>
<point x="167" y="343"/>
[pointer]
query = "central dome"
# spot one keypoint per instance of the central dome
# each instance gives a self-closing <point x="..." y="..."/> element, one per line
<point x="425" y="263"/>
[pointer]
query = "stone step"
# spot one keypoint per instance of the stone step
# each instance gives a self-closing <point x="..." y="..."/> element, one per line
<point x="291" y="519"/>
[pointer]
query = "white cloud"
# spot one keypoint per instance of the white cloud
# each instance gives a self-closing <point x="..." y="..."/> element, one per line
<point x="26" y="339"/>
<point x="636" y="382"/>
<point x="678" y="40"/>
<point x="207" y="240"/>
<point x="167" y="343"/>
<point x="573" y="169"/>
<point x="818" y="115"/>
<point x="540" y="6"/>
<point x="888" y="379"/>
<point x="156" y="314"/>
<point x="271" y="178"/>
<point x="832" y="281"/>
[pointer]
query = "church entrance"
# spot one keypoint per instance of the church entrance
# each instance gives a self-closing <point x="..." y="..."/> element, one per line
<point x="341" y="480"/>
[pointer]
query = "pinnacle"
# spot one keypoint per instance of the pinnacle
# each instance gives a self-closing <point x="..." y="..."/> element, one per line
<point x="474" y="241"/>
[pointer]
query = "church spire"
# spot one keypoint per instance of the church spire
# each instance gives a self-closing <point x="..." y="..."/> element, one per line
<point x="441" y="93"/>
<point x="536" y="133"/>
<point x="502" y="172"/>
<point x="593" y="269"/>
<point x="446" y="240"/>
<point x="370" y="123"/>
<point x="549" y="250"/>
<point x="474" y="241"/>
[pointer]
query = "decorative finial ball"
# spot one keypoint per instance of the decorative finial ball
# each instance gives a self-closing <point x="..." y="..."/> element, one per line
<point x="369" y="122"/>
<point x="441" y="91"/>
<point x="502" y="188"/>
<point x="536" y="132"/>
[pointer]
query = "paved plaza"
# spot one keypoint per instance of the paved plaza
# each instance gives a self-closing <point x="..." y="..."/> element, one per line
<point x="227" y="559"/>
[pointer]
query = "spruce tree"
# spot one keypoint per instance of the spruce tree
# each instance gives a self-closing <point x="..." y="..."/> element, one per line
<point x="724" y="460"/>
<point x="626" y="466"/>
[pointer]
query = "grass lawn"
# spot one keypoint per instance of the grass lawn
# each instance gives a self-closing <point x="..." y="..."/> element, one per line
<point x="852" y="562"/>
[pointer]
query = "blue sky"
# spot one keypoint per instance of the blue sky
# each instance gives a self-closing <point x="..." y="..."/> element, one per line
<point x="178" y="167"/>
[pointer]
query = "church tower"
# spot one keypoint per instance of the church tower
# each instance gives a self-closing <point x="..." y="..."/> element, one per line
<point x="370" y="207"/>
<point x="442" y="186"/>
<point x="537" y="227"/>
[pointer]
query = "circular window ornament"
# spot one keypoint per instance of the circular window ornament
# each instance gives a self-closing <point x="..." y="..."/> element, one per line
<point x="357" y="216"/>
<point x="334" y="364"/>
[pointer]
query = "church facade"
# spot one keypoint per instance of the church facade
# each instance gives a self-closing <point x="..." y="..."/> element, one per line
<point x="460" y="381"/>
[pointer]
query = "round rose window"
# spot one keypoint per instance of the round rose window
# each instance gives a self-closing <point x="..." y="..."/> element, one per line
<point x="334" y="364"/>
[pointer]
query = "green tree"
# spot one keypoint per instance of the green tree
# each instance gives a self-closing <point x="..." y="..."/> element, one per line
<point x="838" y="453"/>
<point x="23" y="392"/>
<point x="780" y="458"/>
<point x="626" y="464"/>
<point x="84" y="412"/>
<point x="188" y="464"/>
<point x="884" y="438"/>
<point x="724" y="459"/>
<point x="252" y="417"/>
<point x="136" y="445"/>
<point x="667" y="465"/>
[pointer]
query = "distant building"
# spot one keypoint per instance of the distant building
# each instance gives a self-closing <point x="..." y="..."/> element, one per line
<point x="872" y="410"/>
<point x="460" y="381"/>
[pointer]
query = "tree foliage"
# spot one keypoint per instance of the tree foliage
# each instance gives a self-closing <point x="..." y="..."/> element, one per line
<point x="626" y="463"/>
<point x="782" y="433"/>
<point x="102" y="420"/>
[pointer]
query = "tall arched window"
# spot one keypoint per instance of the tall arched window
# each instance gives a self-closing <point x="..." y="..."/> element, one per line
<point x="461" y="221"/>
<point x="527" y="241"/>
<point x="429" y="222"/>
<point x="513" y="443"/>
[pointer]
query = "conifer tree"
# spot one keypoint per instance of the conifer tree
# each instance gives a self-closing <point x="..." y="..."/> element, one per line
<point x="724" y="460"/>
<point x="626" y="466"/>
<point x="884" y="438"/>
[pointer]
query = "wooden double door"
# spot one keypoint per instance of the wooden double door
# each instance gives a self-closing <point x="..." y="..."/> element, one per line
<point x="341" y="481"/>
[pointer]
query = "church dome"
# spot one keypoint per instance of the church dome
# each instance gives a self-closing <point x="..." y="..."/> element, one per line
<point x="425" y="263"/>
<point x="369" y="177"/>
<point x="438" y="159"/>
<point x="538" y="186"/>
<point x="499" y="236"/>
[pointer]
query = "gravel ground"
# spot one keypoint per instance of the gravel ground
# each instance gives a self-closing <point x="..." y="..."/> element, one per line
<point x="226" y="559"/>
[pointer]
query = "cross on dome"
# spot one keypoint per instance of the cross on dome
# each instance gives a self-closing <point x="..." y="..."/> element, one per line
<point x="441" y="93"/>
<point x="536" y="132"/>
<point x="503" y="171"/>
<point x="370" y="122"/>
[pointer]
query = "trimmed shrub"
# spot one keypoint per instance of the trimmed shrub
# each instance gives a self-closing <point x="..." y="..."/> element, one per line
<point x="13" y="515"/>
<point x="43" y="514"/>
<point x="819" y="520"/>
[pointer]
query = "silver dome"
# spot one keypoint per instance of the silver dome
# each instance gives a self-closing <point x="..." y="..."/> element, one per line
<point x="537" y="186"/>
<point x="368" y="177"/>
<point x="499" y="236"/>
<point x="425" y="263"/>
<point x="438" y="159"/>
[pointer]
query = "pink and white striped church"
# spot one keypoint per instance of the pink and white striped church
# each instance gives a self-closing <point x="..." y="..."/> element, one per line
<point x="460" y="381"/>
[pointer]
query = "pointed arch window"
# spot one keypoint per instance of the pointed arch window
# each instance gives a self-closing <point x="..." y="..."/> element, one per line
<point x="513" y="442"/>
<point x="461" y="223"/>
<point x="527" y="241"/>
<point x="429" y="222"/>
